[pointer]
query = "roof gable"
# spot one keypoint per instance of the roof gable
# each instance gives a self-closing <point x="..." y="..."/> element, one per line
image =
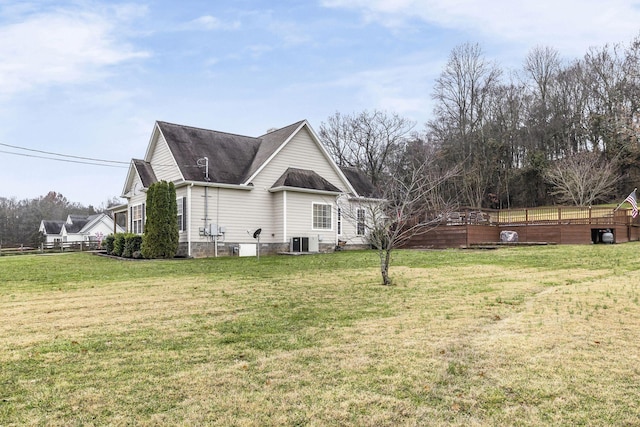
<point x="290" y="132"/>
<point x="270" y="143"/>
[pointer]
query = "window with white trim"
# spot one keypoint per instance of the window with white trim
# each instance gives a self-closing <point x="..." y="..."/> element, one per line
<point x="137" y="219"/>
<point x="182" y="223"/>
<point x="339" y="221"/>
<point x="321" y="216"/>
<point x="360" y="222"/>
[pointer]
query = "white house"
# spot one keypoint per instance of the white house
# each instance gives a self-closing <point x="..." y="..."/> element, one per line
<point x="78" y="228"/>
<point x="281" y="189"/>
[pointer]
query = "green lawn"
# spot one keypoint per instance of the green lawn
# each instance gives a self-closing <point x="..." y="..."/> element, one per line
<point x="516" y="336"/>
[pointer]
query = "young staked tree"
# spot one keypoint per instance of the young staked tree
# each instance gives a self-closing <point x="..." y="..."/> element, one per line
<point x="409" y="204"/>
<point x="161" y="231"/>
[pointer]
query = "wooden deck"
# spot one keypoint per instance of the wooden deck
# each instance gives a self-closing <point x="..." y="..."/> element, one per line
<point x="556" y="226"/>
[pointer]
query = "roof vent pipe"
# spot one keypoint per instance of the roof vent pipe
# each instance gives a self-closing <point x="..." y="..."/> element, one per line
<point x="204" y="163"/>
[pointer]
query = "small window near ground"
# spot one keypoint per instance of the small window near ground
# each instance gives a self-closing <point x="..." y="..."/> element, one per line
<point x="321" y="216"/>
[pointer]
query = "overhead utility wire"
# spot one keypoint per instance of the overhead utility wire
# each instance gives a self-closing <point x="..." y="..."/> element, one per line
<point x="62" y="160"/>
<point x="64" y="155"/>
<point x="78" y="157"/>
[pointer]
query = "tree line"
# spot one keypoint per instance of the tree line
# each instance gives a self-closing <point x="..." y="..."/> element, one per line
<point x="20" y="219"/>
<point x="553" y="132"/>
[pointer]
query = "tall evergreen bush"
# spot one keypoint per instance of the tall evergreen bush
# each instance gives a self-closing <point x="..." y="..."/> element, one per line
<point x="161" y="231"/>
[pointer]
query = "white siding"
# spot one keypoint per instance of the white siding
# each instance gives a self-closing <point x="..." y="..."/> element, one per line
<point x="162" y="161"/>
<point x="349" y="220"/>
<point x="300" y="216"/>
<point x="278" y="214"/>
<point x="232" y="209"/>
<point x="104" y="226"/>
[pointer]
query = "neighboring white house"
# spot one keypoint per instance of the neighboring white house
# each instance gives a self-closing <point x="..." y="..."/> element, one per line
<point x="78" y="228"/>
<point x="229" y="186"/>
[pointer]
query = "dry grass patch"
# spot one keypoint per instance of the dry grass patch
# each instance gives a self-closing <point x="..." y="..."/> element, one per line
<point x="470" y="343"/>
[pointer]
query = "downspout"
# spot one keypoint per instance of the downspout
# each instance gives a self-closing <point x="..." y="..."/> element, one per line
<point x="215" y="236"/>
<point x="188" y="213"/>
<point x="284" y="216"/>
<point x="206" y="212"/>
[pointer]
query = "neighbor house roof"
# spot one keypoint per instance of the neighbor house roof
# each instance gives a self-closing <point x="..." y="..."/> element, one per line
<point x="52" y="226"/>
<point x="304" y="178"/>
<point x="74" y="224"/>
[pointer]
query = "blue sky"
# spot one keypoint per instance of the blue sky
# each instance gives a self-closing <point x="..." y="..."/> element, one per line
<point x="89" y="78"/>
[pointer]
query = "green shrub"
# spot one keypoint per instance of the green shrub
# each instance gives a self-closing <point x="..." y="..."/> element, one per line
<point x="107" y="243"/>
<point x="118" y="244"/>
<point x="132" y="243"/>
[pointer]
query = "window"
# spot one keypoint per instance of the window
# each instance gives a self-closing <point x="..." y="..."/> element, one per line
<point x="137" y="219"/>
<point x="339" y="224"/>
<point x="360" y="227"/>
<point x="321" y="216"/>
<point x="182" y="219"/>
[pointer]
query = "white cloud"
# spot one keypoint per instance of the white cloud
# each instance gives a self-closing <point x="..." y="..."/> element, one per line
<point x="62" y="47"/>
<point x="569" y="25"/>
<point x="209" y="23"/>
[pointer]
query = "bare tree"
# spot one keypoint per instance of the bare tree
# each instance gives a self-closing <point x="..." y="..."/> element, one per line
<point x="367" y="140"/>
<point x="410" y="205"/>
<point x="542" y="64"/>
<point x="464" y="93"/>
<point x="582" y="178"/>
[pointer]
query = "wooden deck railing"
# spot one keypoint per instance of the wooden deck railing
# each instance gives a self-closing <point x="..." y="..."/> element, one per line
<point x="546" y="215"/>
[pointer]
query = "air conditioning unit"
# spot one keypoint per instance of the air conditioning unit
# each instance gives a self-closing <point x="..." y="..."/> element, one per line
<point x="304" y="244"/>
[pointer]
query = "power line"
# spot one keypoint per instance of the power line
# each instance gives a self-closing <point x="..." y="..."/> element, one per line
<point x="90" y="160"/>
<point x="63" y="155"/>
<point x="62" y="160"/>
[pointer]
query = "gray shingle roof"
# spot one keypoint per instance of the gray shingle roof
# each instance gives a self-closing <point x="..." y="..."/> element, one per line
<point x="233" y="159"/>
<point x="230" y="156"/>
<point x="145" y="171"/>
<point x="52" y="226"/>
<point x="77" y="225"/>
<point x="303" y="178"/>
<point x="360" y="182"/>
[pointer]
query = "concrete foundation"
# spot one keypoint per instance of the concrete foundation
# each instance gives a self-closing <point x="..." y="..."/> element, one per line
<point x="207" y="250"/>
